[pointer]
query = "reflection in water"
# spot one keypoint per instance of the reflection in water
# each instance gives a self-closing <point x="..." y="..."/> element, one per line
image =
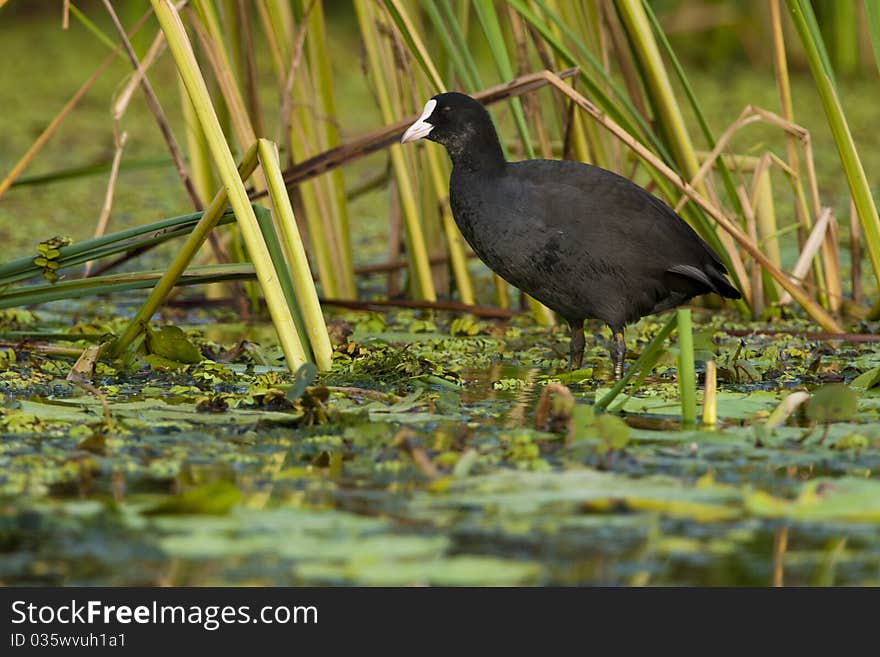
<point x="515" y="405"/>
<point x="827" y="569"/>
<point x="780" y="544"/>
<point x="522" y="401"/>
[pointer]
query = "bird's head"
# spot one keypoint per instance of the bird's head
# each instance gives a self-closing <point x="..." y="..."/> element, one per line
<point x="453" y="120"/>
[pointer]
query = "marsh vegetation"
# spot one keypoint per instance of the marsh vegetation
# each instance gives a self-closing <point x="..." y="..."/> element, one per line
<point x="327" y="388"/>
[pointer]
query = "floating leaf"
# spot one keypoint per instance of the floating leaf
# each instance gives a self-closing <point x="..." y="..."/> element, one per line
<point x="686" y="509"/>
<point x="847" y="499"/>
<point x="851" y="441"/>
<point x="866" y="380"/>
<point x="95" y="443"/>
<point x="613" y="431"/>
<point x="584" y="416"/>
<point x="465" y="325"/>
<point x="465" y="464"/>
<point x="304" y="377"/>
<point x="454" y="571"/>
<point x="786" y="407"/>
<point x="215" y="498"/>
<point x="834" y="402"/>
<point x="171" y="343"/>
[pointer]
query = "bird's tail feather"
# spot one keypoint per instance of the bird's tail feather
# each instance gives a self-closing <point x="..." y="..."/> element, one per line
<point x="712" y="279"/>
<point x="723" y="286"/>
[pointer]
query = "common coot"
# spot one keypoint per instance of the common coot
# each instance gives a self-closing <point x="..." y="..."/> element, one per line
<point x="580" y="239"/>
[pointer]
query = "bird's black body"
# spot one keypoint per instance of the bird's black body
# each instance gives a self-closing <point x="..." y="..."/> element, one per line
<point x="582" y="240"/>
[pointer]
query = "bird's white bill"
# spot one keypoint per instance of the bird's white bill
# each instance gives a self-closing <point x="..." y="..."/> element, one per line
<point x="421" y="127"/>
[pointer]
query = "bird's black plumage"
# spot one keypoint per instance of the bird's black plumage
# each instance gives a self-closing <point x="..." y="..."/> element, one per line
<point x="582" y="240"/>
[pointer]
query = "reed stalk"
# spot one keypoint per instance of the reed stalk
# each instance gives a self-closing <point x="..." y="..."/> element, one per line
<point x="668" y="111"/>
<point x="206" y="26"/>
<point x="804" y="20"/>
<point x="416" y="248"/>
<point x="181" y="50"/>
<point x="196" y="146"/>
<point x="156" y="108"/>
<point x="761" y="199"/>
<point x="194" y="241"/>
<point x="756" y="302"/>
<point x="113" y="284"/>
<point x="855" y="254"/>
<point x="872" y="15"/>
<point x="710" y="395"/>
<point x="687" y="376"/>
<point x="90" y="25"/>
<point x="301" y="274"/>
<point x="491" y="25"/>
<point x="282" y="271"/>
<point x="130" y="239"/>
<point x="323" y="81"/>
<point x="243" y="42"/>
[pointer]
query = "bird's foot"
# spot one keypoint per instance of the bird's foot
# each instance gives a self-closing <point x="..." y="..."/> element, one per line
<point x="618" y="354"/>
<point x="576" y="349"/>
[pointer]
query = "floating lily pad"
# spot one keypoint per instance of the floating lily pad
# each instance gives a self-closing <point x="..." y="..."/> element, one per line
<point x="171" y="344"/>
<point x="455" y="571"/>
<point x="845" y="499"/>
<point x="834" y="402"/>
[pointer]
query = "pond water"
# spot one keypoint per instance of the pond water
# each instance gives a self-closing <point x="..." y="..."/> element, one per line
<point x="426" y="468"/>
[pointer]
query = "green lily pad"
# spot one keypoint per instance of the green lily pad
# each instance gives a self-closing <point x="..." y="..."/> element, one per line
<point x="171" y="343"/>
<point x="846" y="499"/>
<point x="455" y="571"/>
<point x="214" y="498"/>
<point x="834" y="402"/>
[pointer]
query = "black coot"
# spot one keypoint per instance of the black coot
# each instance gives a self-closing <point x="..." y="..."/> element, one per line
<point x="584" y="241"/>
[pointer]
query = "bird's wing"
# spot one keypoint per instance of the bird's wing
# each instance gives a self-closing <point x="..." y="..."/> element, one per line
<point x="604" y="214"/>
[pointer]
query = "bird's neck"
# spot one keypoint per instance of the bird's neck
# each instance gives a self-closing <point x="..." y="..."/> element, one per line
<point x="478" y="152"/>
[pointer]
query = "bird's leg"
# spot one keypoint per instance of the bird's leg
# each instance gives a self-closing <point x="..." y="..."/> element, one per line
<point x="576" y="346"/>
<point x="618" y="353"/>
